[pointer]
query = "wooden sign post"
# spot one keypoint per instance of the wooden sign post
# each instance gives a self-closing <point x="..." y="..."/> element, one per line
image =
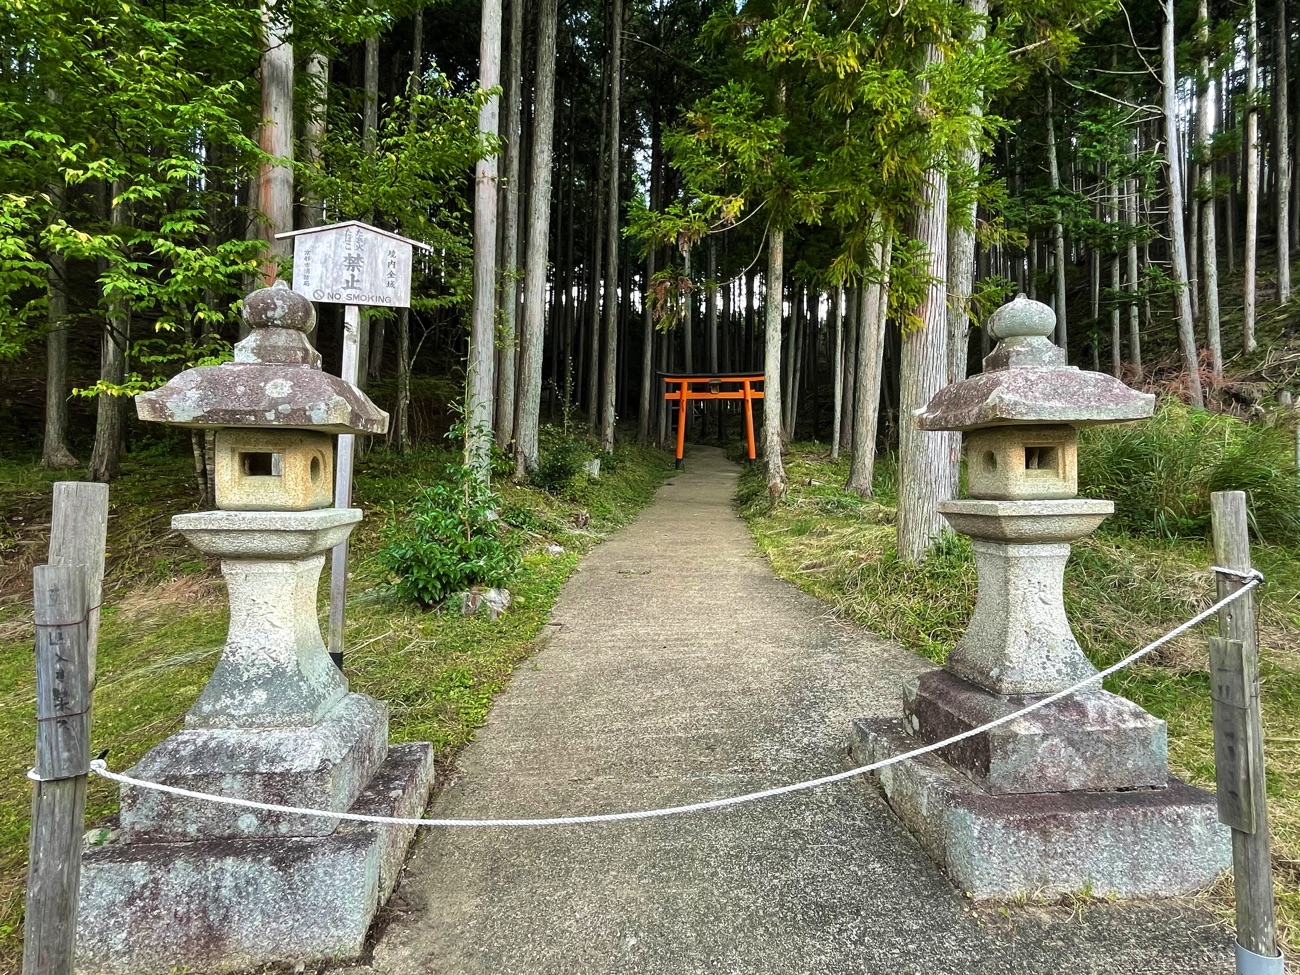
<point x="1239" y="742"/>
<point x="66" y="594"/>
<point x="351" y="264"/>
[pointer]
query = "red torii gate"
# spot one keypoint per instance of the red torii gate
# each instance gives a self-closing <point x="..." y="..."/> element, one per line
<point x="741" y="386"/>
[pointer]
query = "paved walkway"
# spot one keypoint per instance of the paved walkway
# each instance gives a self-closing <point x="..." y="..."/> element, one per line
<point x="684" y="669"/>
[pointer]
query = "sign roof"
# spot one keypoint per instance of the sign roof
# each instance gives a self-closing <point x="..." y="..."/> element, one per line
<point x="353" y="223"/>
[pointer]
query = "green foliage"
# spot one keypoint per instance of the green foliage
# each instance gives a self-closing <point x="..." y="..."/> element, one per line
<point x="413" y="179"/>
<point x="1161" y="472"/>
<point x="448" y="539"/>
<point x="560" y="462"/>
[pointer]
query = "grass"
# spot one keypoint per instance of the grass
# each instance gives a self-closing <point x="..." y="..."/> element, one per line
<point x="164" y="619"/>
<point x="1122" y="591"/>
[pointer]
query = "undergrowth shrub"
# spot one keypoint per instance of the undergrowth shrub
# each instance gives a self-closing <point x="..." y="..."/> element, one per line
<point x="1161" y="472"/>
<point x="447" y="539"/>
<point x="560" y="462"/>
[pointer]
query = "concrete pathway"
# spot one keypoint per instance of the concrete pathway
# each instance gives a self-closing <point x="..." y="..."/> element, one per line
<point x="684" y="669"/>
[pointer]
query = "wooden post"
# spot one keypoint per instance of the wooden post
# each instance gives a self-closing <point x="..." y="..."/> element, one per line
<point x="78" y="533"/>
<point x="1239" y="741"/>
<point x="62" y="763"/>
<point x="343" y="489"/>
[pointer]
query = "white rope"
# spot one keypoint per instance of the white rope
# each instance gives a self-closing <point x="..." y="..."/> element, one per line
<point x="1250" y="580"/>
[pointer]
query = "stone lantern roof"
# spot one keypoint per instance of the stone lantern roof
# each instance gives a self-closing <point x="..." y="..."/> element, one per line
<point x="1026" y="381"/>
<point x="274" y="381"/>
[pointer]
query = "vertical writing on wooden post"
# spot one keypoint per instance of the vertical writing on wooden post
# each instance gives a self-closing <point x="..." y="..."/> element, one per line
<point x="62" y="761"/>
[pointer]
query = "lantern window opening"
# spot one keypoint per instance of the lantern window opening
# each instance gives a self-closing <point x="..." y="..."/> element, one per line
<point x="1042" y="459"/>
<point x="262" y="463"/>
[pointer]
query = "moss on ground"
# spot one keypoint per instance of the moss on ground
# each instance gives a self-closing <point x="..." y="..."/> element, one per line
<point x="1121" y="593"/>
<point x="164" y="619"/>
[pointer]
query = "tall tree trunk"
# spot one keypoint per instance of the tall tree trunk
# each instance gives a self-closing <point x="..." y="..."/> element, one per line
<point x="275" y="138"/>
<point x="1117" y="361"/>
<point x="1282" y="140"/>
<point x="482" y="335"/>
<point x="927" y="462"/>
<point x="688" y="320"/>
<point x="1251" y="149"/>
<point x="402" y="410"/>
<point x="647" y="351"/>
<point x="711" y="296"/>
<point x="801" y="324"/>
<point x="1205" y="201"/>
<point x="402" y="414"/>
<point x="609" y="387"/>
<point x="508" y="296"/>
<point x="837" y="370"/>
<point x="369" y="146"/>
<point x="726" y="360"/>
<point x="591" y="354"/>
<point x="852" y="303"/>
<point x="55" y="454"/>
<point x="961" y="244"/>
<point x="106" y="456"/>
<point x="749" y="320"/>
<point x="651" y="404"/>
<point x="528" y="407"/>
<point x="313" y="132"/>
<point x="787" y="391"/>
<point x="1131" y="208"/>
<point x="1230" y="125"/>
<point x="1178" y="235"/>
<point x="1058" y="231"/>
<point x="873" y="304"/>
<point x="773" y="289"/>
<point x="1293" y="209"/>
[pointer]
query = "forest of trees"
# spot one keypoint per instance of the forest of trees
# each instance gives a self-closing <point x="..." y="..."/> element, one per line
<point x="832" y="192"/>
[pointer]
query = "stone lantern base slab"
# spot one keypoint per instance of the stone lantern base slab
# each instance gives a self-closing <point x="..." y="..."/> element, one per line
<point x="321" y="766"/>
<point x="1139" y="843"/>
<point x="1092" y="740"/>
<point x="241" y="905"/>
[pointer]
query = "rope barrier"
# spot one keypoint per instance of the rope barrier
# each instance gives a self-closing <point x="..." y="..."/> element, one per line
<point x="1250" y="579"/>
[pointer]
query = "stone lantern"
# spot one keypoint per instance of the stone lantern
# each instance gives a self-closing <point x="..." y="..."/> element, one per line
<point x="1076" y="795"/>
<point x="222" y="887"/>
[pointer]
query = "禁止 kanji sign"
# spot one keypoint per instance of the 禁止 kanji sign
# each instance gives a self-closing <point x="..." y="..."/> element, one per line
<point x="353" y="263"/>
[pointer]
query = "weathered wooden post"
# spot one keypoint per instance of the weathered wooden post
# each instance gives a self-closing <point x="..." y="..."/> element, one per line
<point x="78" y="535"/>
<point x="1239" y="742"/>
<point x="67" y="593"/>
<point x="62" y="763"/>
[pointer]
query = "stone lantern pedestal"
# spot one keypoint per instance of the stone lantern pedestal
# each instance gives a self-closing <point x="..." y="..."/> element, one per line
<point x="1076" y="795"/>
<point x="207" y="887"/>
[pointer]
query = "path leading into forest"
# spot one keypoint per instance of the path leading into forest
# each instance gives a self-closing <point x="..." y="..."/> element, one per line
<point x="684" y="669"/>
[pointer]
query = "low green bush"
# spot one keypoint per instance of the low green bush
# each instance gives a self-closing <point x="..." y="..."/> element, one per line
<point x="1161" y="472"/>
<point x="559" y="463"/>
<point x="448" y="539"/>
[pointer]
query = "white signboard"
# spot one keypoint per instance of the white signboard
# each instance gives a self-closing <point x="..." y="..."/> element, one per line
<point x="352" y="264"/>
